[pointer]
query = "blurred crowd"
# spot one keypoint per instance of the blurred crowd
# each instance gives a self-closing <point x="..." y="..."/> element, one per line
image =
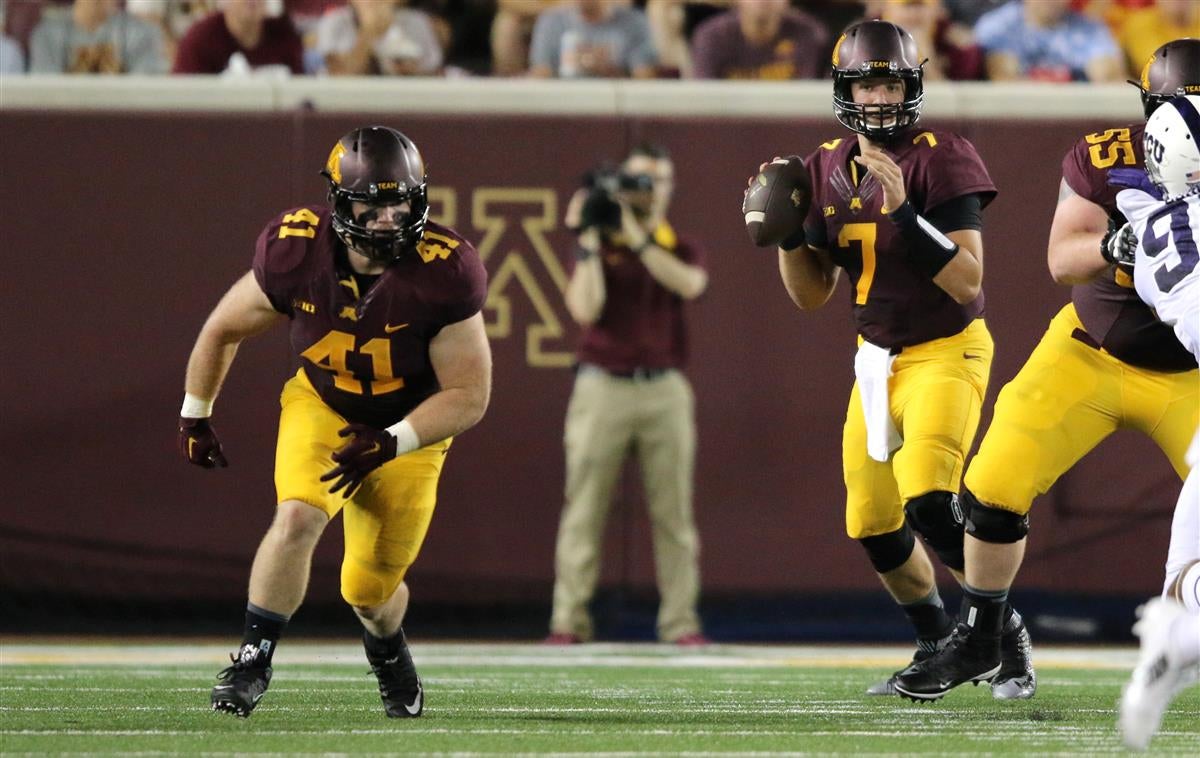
<point x="1044" y="40"/>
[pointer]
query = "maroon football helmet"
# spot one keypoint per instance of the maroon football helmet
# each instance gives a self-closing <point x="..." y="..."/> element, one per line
<point x="1173" y="70"/>
<point x="872" y="49"/>
<point x="379" y="166"/>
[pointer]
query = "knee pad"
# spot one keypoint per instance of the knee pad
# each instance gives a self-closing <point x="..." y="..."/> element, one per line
<point x="994" y="525"/>
<point x="889" y="551"/>
<point x="938" y="517"/>
<point x="367" y="585"/>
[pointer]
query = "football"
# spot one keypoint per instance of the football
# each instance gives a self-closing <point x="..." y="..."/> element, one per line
<point x="777" y="201"/>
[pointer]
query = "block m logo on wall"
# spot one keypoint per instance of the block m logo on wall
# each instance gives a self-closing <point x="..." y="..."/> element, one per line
<point x="521" y="262"/>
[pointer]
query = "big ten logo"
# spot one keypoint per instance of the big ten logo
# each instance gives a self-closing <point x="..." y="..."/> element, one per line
<point x="521" y="263"/>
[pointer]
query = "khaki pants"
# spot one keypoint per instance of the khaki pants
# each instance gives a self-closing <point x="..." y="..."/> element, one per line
<point x="607" y="418"/>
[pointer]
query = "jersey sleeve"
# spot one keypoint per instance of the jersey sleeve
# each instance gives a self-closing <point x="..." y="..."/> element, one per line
<point x="1080" y="177"/>
<point x="955" y="169"/>
<point x="278" y="256"/>
<point x="468" y="291"/>
<point x="814" y="223"/>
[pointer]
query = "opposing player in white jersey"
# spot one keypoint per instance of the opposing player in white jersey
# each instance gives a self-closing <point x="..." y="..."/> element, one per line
<point x="1161" y="237"/>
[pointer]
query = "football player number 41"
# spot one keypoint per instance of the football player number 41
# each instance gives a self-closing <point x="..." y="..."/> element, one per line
<point x="331" y="351"/>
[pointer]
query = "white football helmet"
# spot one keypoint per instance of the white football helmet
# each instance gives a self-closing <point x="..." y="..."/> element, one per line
<point x="1172" y="143"/>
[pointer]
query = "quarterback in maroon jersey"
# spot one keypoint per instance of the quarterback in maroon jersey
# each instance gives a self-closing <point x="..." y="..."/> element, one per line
<point x="1105" y="363"/>
<point x="384" y="311"/>
<point x="899" y="209"/>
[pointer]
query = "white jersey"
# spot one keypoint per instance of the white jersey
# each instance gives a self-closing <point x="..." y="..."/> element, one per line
<point x="1165" y="271"/>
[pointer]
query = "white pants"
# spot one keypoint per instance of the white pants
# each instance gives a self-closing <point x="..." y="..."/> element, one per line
<point x="1185" y="525"/>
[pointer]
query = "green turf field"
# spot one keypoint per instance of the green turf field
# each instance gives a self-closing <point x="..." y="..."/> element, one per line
<point x="626" y="699"/>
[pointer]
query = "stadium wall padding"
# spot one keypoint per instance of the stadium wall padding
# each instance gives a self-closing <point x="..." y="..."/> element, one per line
<point x="121" y="231"/>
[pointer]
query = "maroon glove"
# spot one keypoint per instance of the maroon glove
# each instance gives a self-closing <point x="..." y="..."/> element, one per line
<point x="199" y="444"/>
<point x="370" y="449"/>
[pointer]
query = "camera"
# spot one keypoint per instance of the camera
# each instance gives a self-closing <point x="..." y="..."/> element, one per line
<point x="600" y="209"/>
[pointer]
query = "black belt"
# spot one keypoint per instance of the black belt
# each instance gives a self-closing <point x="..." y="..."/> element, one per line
<point x="1085" y="338"/>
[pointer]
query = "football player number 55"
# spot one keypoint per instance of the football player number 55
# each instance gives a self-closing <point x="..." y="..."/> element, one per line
<point x="330" y="353"/>
<point x="864" y="234"/>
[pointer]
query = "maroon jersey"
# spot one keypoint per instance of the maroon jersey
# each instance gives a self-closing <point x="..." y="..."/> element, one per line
<point x="1109" y="307"/>
<point x="365" y="345"/>
<point x="208" y="45"/>
<point x="642" y="324"/>
<point x="895" y="304"/>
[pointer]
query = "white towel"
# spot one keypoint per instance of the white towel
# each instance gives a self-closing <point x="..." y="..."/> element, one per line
<point x="872" y="367"/>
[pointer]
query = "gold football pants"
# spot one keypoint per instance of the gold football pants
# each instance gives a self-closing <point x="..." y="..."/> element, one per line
<point x="1066" y="399"/>
<point x="386" y="519"/>
<point x="935" y="394"/>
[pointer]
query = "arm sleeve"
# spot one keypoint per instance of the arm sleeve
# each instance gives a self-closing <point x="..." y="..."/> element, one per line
<point x="962" y="212"/>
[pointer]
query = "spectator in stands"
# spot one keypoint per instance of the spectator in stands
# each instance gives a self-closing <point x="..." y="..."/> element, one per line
<point x="369" y="37"/>
<point x="1045" y="40"/>
<point x="592" y="38"/>
<point x="950" y="47"/>
<point x="12" y="60"/>
<point x="1141" y="31"/>
<point x="759" y="39"/>
<point x="627" y="290"/>
<point x="512" y="29"/>
<point x="12" y="57"/>
<point x="968" y="12"/>
<point x="19" y="20"/>
<point x="172" y="17"/>
<point x="240" y="38"/>
<point x="95" y="37"/>
<point x="672" y="23"/>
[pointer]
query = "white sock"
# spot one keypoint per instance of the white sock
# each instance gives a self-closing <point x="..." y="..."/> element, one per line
<point x="1185" y="639"/>
<point x="1189" y="589"/>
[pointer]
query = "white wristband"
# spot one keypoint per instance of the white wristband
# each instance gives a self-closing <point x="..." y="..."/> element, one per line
<point x="195" y="407"/>
<point x="406" y="437"/>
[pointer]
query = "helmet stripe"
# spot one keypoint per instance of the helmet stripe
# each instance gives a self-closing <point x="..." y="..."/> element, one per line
<point x="1190" y="117"/>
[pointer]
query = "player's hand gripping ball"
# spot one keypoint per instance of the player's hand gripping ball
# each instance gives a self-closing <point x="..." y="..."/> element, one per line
<point x="777" y="201"/>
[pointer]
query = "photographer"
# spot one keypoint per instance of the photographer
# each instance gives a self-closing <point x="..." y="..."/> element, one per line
<point x="631" y="276"/>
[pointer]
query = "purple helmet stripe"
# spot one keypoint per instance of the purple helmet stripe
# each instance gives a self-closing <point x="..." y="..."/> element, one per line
<point x="1190" y="117"/>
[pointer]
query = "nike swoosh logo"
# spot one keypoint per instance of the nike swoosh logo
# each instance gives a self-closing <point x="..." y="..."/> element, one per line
<point x="972" y="356"/>
<point x="388" y="328"/>
<point x="191" y="446"/>
<point x="415" y="708"/>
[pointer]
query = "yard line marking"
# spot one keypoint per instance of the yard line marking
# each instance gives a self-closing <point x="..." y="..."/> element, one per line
<point x="601" y="655"/>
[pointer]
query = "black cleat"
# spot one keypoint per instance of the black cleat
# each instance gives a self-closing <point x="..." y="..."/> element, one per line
<point x="242" y="684"/>
<point x="1016" y="679"/>
<point x="399" y="686"/>
<point x="957" y="663"/>
<point x="887" y="687"/>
